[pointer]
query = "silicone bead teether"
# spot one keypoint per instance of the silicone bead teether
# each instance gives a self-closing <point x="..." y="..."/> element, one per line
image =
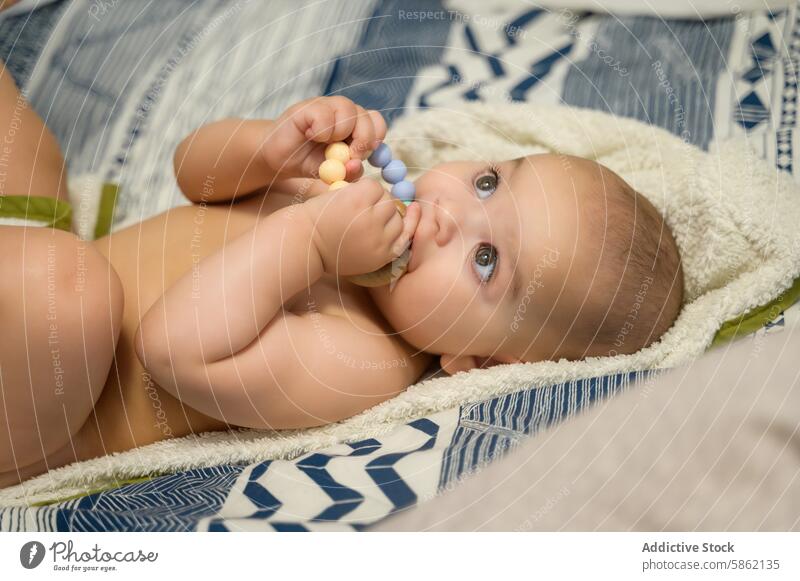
<point x="338" y="151"/>
<point x="404" y="190"/>
<point x="394" y="171"/>
<point x="332" y="171"/>
<point x="381" y="156"/>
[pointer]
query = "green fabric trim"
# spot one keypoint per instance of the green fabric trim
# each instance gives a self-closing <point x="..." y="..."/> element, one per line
<point x="756" y="318"/>
<point x="117" y="484"/>
<point x="105" y="212"/>
<point x="52" y="212"/>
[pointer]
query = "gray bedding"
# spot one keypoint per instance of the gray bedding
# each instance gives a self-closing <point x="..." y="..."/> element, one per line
<point x="714" y="446"/>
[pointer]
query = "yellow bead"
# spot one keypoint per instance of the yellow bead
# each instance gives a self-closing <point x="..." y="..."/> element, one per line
<point x="339" y="151"/>
<point x="338" y="185"/>
<point x="332" y="170"/>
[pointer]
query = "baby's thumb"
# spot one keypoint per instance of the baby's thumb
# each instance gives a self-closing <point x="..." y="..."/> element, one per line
<point x="410" y="223"/>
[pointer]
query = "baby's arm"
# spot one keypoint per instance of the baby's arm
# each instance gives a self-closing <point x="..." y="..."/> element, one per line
<point x="220" y="341"/>
<point x="235" y="157"/>
<point x="221" y="160"/>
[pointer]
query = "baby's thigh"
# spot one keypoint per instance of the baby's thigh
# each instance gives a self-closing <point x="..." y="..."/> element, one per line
<point x="61" y="305"/>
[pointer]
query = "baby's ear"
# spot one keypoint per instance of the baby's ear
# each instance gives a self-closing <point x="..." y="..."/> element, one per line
<point x="453" y="364"/>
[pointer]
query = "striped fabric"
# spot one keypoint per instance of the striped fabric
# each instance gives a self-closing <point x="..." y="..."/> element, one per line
<point x="145" y="99"/>
<point x="686" y="57"/>
<point x="121" y="90"/>
<point x="92" y="67"/>
<point x="488" y="429"/>
<point x="380" y="71"/>
<point x="23" y="35"/>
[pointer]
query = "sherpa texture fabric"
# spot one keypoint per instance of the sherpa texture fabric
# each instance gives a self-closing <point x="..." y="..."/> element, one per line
<point x="733" y="215"/>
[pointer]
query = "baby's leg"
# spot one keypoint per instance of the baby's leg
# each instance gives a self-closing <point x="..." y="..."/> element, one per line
<point x="61" y="304"/>
<point x="28" y="146"/>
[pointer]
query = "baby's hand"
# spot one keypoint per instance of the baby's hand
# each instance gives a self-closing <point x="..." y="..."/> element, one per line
<point x="295" y="146"/>
<point x="358" y="229"/>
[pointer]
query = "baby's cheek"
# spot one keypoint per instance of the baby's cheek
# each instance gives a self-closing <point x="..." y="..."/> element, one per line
<point x="432" y="183"/>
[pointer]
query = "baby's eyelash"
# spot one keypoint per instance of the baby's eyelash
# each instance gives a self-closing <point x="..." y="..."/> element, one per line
<point x="493" y="169"/>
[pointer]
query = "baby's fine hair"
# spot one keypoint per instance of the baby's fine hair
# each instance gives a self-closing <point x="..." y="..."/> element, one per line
<point x="639" y="291"/>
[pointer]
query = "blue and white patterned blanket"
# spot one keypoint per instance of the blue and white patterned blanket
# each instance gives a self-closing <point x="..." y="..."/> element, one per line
<point x="119" y="89"/>
<point x="343" y="487"/>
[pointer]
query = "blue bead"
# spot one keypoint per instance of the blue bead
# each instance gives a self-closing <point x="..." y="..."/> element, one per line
<point x="394" y="171"/>
<point x="381" y="156"/>
<point x="404" y="190"/>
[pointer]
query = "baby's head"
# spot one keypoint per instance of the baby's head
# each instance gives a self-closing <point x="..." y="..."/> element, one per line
<point x="542" y="257"/>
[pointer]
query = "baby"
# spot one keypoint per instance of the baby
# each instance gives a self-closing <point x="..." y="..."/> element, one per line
<point x="238" y="311"/>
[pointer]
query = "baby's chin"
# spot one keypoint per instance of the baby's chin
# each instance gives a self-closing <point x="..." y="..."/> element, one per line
<point x="393" y="305"/>
<point x="388" y="295"/>
<point x="387" y="302"/>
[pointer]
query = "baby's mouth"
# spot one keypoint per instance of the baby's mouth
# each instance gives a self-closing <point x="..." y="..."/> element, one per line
<point x="414" y="259"/>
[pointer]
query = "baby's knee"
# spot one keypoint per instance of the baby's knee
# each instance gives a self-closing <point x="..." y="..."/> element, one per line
<point x="94" y="281"/>
<point x="53" y="283"/>
<point x="88" y="289"/>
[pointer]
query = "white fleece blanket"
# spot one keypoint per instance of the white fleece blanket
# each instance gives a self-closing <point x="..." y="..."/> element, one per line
<point x="734" y="217"/>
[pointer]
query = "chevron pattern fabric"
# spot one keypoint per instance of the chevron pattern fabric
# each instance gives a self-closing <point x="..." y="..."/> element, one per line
<point x="348" y="486"/>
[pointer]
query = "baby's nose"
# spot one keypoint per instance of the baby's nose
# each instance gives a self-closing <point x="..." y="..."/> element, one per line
<point x="446" y="221"/>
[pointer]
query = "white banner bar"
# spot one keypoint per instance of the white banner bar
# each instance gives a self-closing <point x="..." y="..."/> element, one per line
<point x="387" y="556"/>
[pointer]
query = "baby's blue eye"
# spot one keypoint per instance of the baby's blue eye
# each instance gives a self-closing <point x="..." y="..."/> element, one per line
<point x="485" y="261"/>
<point x="486" y="184"/>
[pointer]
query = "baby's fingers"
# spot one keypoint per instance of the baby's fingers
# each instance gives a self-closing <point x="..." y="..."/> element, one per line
<point x="319" y="122"/>
<point x="346" y="114"/>
<point x="363" y="137"/>
<point x="355" y="169"/>
<point x="327" y="119"/>
<point x="410" y="223"/>
<point x="379" y="125"/>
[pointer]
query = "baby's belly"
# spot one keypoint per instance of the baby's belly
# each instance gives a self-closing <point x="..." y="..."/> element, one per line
<point x="133" y="410"/>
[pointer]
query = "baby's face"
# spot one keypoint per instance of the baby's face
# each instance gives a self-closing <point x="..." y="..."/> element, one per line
<point x="498" y="246"/>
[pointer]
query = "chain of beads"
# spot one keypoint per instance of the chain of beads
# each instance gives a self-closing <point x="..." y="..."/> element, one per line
<point x="332" y="171"/>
